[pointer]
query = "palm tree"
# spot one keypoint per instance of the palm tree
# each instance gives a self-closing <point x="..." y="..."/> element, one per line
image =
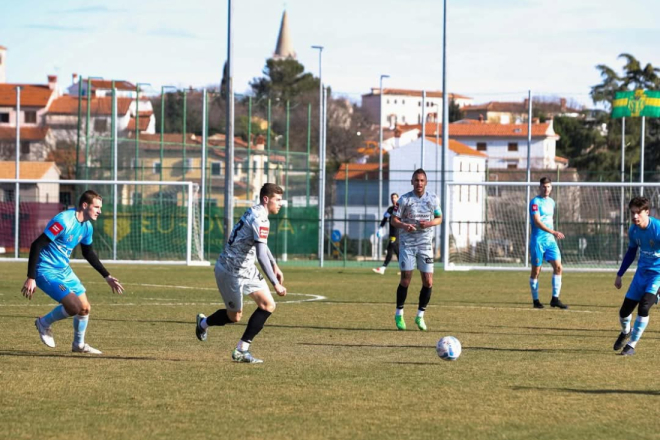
<point x="634" y="77"/>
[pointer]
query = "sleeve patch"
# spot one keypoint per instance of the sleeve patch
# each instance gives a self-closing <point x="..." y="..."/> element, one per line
<point x="56" y="228"/>
<point x="263" y="232"/>
<point x="535" y="208"/>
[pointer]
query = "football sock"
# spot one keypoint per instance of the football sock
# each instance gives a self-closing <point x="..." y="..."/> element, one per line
<point x="220" y="317"/>
<point x="401" y="295"/>
<point x="625" y="324"/>
<point x="640" y="324"/>
<point x="424" y="297"/>
<point x="79" y="328"/>
<point x="255" y="324"/>
<point x="556" y="286"/>
<point x="243" y="346"/>
<point x="399" y="312"/>
<point x="57" y="314"/>
<point x="203" y="324"/>
<point x="534" y="285"/>
<point x="420" y="313"/>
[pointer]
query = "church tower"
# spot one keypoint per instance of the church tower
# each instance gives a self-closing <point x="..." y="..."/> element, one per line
<point x="284" y="48"/>
<point x="3" y="58"/>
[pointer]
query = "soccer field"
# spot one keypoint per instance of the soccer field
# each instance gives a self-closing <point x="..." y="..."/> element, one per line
<point x="335" y="365"/>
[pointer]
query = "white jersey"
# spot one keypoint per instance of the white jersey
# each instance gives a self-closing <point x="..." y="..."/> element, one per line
<point x="239" y="254"/>
<point x="411" y="210"/>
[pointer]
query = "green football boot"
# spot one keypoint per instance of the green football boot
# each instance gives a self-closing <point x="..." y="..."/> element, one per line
<point x="400" y="323"/>
<point x="420" y="323"/>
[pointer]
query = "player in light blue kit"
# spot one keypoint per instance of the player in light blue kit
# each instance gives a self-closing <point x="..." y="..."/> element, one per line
<point x="543" y="243"/>
<point x="49" y="269"/>
<point x="642" y="293"/>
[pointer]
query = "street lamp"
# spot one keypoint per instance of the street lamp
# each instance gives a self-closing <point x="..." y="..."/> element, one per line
<point x="321" y="161"/>
<point x="380" y="155"/>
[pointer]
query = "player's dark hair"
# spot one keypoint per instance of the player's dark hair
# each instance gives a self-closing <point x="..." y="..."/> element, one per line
<point x="394" y="194"/>
<point x="545" y="180"/>
<point x="642" y="203"/>
<point x="419" y="171"/>
<point x="269" y="190"/>
<point x="88" y="197"/>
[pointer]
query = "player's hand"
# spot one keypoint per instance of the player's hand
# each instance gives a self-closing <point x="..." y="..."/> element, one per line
<point x="278" y="274"/>
<point x="114" y="284"/>
<point x="617" y="282"/>
<point x="280" y="289"/>
<point x="28" y="288"/>
<point x="410" y="228"/>
<point x="379" y="233"/>
<point x="559" y="235"/>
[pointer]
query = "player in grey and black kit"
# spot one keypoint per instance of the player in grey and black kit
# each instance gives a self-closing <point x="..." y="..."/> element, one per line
<point x="416" y="214"/>
<point x="393" y="241"/>
<point x="237" y="275"/>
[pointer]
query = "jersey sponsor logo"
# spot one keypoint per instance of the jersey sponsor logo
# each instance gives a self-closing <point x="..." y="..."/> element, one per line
<point x="263" y="232"/>
<point x="56" y="228"/>
<point x="535" y="208"/>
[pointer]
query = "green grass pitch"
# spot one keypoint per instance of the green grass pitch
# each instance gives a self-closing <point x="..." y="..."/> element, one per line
<point x="335" y="367"/>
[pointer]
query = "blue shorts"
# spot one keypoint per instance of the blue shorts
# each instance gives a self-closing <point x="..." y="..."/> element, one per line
<point x="420" y="256"/>
<point x="540" y="251"/>
<point x="57" y="285"/>
<point x="643" y="282"/>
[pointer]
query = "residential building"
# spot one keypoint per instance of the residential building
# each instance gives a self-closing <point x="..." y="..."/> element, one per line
<point x="498" y="112"/>
<point x="30" y="192"/>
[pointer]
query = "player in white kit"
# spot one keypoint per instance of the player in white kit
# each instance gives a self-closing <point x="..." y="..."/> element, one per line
<point x="416" y="213"/>
<point x="237" y="275"/>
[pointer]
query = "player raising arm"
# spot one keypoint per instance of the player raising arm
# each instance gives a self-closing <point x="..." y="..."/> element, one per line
<point x="49" y="269"/>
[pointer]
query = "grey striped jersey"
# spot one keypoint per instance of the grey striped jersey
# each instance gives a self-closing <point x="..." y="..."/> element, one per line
<point x="411" y="209"/>
<point x="240" y="253"/>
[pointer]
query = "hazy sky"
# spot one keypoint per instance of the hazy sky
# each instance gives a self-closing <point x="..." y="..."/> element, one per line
<point x="497" y="49"/>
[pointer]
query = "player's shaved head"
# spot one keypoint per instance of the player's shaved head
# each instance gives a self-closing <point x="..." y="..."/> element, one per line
<point x="418" y="171"/>
<point x="269" y="190"/>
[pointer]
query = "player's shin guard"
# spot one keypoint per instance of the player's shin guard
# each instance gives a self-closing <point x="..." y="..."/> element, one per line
<point x="625" y="323"/>
<point x="401" y="295"/>
<point x="220" y="317"/>
<point x="79" y="328"/>
<point x="57" y="314"/>
<point x="556" y="286"/>
<point x="255" y="324"/>
<point x="424" y="297"/>
<point x="638" y="329"/>
<point x="534" y="287"/>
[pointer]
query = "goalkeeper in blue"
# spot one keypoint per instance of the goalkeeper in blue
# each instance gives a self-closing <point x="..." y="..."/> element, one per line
<point x="49" y="269"/>
<point x="644" y="234"/>
<point x="543" y="244"/>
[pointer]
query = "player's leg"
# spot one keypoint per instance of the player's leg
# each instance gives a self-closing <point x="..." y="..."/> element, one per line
<point x="651" y="283"/>
<point x="230" y="291"/>
<point x="54" y="285"/>
<point x="407" y="265"/>
<point x="80" y="321"/>
<point x="425" y="265"/>
<point x="536" y="257"/>
<point x="625" y="316"/>
<point x="265" y="307"/>
<point x="556" y="284"/>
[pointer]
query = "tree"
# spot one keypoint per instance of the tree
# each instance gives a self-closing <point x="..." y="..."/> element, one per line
<point x="283" y="80"/>
<point x="455" y="113"/>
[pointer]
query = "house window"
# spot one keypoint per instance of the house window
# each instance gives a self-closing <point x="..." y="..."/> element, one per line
<point x="30" y="117"/>
<point x="513" y="146"/>
<point x="157" y="167"/>
<point x="25" y="147"/>
<point x="216" y="168"/>
<point x="403" y="101"/>
<point x="511" y="166"/>
<point x="481" y="146"/>
<point x="403" y="119"/>
<point x="395" y="101"/>
<point x="100" y="125"/>
<point x="387" y="102"/>
<point x="419" y="104"/>
<point x="4" y="117"/>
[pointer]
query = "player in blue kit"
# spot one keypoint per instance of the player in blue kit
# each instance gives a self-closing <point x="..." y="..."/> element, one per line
<point x="49" y="269"/>
<point x="644" y="234"/>
<point x="543" y="243"/>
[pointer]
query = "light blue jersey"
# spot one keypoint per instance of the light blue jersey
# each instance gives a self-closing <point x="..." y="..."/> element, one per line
<point x="65" y="232"/>
<point x="648" y="242"/>
<point x="545" y="207"/>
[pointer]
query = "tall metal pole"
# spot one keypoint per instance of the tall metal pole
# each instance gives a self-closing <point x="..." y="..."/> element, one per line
<point x="183" y="157"/>
<point x="229" y="139"/>
<point x="78" y="128"/>
<point x="445" y="143"/>
<point x="89" y="116"/>
<point x="321" y="206"/>
<point x="203" y="185"/>
<point x="423" y="126"/>
<point x="529" y="173"/>
<point x="623" y="194"/>
<point x="286" y="182"/>
<point x="17" y="188"/>
<point x="114" y="171"/>
<point x="641" y="157"/>
<point x="309" y="149"/>
<point x="249" y="147"/>
<point x="380" y="159"/>
<point x="137" y="128"/>
<point x="323" y="161"/>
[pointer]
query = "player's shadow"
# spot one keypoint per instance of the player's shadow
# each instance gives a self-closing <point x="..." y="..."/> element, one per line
<point x="534" y="350"/>
<point x="16" y="353"/>
<point x="592" y="391"/>
<point x="317" y="344"/>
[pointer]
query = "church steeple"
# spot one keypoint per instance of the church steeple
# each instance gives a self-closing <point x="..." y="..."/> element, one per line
<point x="284" y="48"/>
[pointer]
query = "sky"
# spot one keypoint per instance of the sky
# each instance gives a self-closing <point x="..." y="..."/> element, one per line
<point x="496" y="50"/>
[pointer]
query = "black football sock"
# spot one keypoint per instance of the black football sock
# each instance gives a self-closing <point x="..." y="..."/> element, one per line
<point x="255" y="324"/>
<point x="424" y="297"/>
<point x="220" y="317"/>
<point x="401" y="295"/>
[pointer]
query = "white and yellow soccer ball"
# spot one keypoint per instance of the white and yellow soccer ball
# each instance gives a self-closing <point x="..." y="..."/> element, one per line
<point x="448" y="348"/>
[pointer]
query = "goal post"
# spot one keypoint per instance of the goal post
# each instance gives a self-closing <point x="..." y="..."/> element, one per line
<point x="489" y="224"/>
<point x="142" y="222"/>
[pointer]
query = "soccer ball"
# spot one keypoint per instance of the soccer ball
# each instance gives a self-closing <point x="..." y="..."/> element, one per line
<point x="448" y="348"/>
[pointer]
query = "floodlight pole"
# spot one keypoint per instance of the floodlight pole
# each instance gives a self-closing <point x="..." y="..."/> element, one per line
<point x="321" y="202"/>
<point x="380" y="157"/>
<point x="229" y="137"/>
<point x="17" y="189"/>
<point x="445" y="142"/>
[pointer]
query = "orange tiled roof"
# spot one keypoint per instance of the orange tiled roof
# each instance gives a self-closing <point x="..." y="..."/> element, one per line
<point x="460" y="148"/>
<point x="561" y="159"/>
<point x="358" y="170"/>
<point x="68" y="105"/>
<point x="144" y="122"/>
<point x="27" y="133"/>
<point x="487" y="130"/>
<point x="32" y="95"/>
<point x="519" y="107"/>
<point x="27" y="170"/>
<point x="104" y="84"/>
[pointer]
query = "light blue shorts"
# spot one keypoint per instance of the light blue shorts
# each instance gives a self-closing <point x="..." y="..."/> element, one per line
<point x="420" y="256"/>
<point x="643" y="282"/>
<point x="57" y="285"/>
<point x="543" y="251"/>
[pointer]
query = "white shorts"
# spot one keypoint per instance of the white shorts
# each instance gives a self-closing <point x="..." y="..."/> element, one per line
<point x="232" y="287"/>
<point x="420" y="256"/>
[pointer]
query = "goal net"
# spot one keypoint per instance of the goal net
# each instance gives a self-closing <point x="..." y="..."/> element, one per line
<point x="141" y="222"/>
<point x="488" y="223"/>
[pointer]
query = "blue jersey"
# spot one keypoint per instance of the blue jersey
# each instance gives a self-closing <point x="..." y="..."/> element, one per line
<point x="545" y="207"/>
<point x="648" y="242"/>
<point x="65" y="232"/>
